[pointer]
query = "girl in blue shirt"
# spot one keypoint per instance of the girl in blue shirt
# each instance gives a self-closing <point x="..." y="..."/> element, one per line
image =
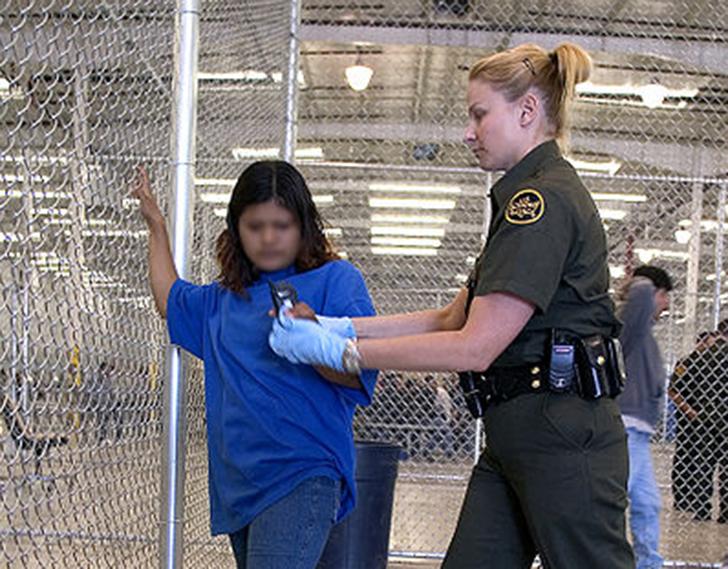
<point x="280" y="440"/>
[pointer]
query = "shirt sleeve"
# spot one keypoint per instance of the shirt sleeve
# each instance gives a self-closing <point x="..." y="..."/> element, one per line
<point x="352" y="299"/>
<point x="526" y="256"/>
<point x="186" y="316"/>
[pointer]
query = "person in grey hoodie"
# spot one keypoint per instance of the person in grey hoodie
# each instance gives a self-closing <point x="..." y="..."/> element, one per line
<point x="641" y="403"/>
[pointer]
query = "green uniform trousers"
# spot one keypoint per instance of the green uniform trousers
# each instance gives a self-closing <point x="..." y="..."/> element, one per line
<point x="552" y="481"/>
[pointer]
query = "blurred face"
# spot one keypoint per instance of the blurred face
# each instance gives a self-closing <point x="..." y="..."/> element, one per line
<point x="270" y="235"/>
<point x="662" y="301"/>
<point x="493" y="128"/>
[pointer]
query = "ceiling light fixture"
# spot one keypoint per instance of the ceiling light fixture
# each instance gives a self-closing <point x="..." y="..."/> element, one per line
<point x="415" y="188"/>
<point x="409" y="231"/>
<point x="652" y="94"/>
<point x="403" y="203"/>
<point x="312" y="153"/>
<point x="406" y="241"/>
<point x="385" y="218"/>
<point x="406" y="251"/>
<point x="358" y="75"/>
<point x="609" y="196"/>
<point x="610" y="166"/>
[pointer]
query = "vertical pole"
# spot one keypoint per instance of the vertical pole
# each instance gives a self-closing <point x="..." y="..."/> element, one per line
<point x="691" y="288"/>
<point x="719" y="255"/>
<point x="183" y="170"/>
<point x="289" y="146"/>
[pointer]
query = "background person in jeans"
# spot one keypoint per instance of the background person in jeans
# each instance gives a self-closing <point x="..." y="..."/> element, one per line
<point x="647" y="296"/>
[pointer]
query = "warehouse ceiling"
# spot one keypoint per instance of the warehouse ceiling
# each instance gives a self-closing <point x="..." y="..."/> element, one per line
<point x="114" y="62"/>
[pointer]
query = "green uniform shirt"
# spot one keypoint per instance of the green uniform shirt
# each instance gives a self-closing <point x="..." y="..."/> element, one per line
<point x="546" y="244"/>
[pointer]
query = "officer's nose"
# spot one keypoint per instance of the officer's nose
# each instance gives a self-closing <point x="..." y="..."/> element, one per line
<point x="469" y="135"/>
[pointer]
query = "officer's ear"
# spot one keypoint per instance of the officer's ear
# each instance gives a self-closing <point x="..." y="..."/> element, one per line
<point x="529" y="109"/>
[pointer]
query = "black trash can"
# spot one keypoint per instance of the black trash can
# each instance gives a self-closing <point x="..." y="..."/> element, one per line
<point x="361" y="541"/>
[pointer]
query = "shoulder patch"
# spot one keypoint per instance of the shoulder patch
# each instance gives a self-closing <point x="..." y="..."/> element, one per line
<point x="527" y="206"/>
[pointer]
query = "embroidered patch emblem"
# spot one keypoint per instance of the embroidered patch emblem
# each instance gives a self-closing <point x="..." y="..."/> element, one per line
<point x="527" y="206"/>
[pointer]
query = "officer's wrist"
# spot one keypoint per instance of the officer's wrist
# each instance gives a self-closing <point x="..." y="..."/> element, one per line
<point x="351" y="359"/>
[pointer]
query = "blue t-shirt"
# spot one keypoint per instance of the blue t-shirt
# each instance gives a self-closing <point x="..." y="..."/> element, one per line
<point x="270" y="424"/>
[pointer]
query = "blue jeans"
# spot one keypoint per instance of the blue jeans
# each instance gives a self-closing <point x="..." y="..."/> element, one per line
<point x="645" y="502"/>
<point x="291" y="533"/>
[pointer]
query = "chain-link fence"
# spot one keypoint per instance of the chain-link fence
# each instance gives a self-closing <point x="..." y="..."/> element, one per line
<point x="86" y="93"/>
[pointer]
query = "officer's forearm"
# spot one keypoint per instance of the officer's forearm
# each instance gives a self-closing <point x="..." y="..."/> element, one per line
<point x="452" y="317"/>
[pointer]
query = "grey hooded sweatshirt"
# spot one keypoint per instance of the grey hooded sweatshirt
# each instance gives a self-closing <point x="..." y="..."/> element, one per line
<point x="644" y="392"/>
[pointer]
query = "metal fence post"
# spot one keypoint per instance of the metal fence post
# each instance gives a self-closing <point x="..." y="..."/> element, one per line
<point x="175" y="392"/>
<point x="289" y="146"/>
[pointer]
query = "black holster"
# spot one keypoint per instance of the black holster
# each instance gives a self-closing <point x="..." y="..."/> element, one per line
<point x="599" y="367"/>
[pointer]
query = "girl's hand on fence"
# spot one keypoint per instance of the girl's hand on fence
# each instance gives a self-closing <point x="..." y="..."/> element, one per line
<point x="142" y="190"/>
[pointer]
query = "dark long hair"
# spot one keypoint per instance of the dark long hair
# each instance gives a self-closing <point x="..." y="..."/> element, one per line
<point x="262" y="182"/>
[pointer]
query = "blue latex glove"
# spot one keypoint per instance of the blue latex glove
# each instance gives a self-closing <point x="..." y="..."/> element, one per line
<point x="305" y="342"/>
<point x="343" y="327"/>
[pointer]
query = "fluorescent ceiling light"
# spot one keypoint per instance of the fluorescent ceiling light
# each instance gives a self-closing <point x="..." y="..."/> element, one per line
<point x="312" y="153"/>
<point x="34" y="194"/>
<point x="17" y="159"/>
<point x="403" y="203"/>
<point x="34" y="179"/>
<point x="409" y="231"/>
<point x="646" y="255"/>
<point x="705" y="224"/>
<point x="652" y="94"/>
<point x="406" y="241"/>
<point x="610" y="166"/>
<point x="405" y="251"/>
<point x="608" y="196"/>
<point x="50" y="211"/>
<point x="256" y="153"/>
<point x="333" y="231"/>
<point x="394" y="218"/>
<point x="215" y="182"/>
<point x="416" y="188"/>
<point x="210" y="197"/>
<point x="114" y="233"/>
<point x="224" y="198"/>
<point x="616" y="272"/>
<point x="617" y="214"/>
<point x="245" y="75"/>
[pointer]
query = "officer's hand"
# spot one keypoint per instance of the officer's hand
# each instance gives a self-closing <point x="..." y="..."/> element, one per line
<point x="305" y="342"/>
<point x="300" y="310"/>
<point x="343" y="326"/>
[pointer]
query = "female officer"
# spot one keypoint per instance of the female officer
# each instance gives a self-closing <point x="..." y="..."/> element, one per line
<point x="281" y="452"/>
<point x="553" y="478"/>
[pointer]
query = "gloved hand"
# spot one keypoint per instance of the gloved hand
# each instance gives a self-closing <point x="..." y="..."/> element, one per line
<point x="343" y="327"/>
<point x="305" y="342"/>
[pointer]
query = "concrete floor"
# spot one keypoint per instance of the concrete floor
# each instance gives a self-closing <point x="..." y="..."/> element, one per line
<point x="107" y="523"/>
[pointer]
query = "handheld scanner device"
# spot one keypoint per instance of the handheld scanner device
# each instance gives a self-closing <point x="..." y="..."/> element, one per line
<point x="284" y="297"/>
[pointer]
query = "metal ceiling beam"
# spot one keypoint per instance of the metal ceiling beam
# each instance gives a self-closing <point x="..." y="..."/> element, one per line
<point x="709" y="56"/>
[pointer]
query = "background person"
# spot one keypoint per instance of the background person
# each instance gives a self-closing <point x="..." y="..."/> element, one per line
<point x="553" y="477"/>
<point x="647" y="296"/>
<point x="699" y="388"/>
<point x="281" y="453"/>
